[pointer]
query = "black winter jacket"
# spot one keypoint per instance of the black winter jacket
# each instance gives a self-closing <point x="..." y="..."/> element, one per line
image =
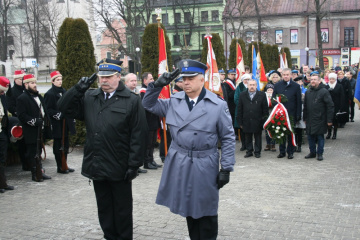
<point x="153" y="120"/>
<point x="116" y="130"/>
<point x="293" y="93"/>
<point x="318" y="110"/>
<point x="11" y="97"/>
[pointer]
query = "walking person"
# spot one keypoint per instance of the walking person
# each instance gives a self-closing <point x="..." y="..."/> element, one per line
<point x="198" y="119"/>
<point x="252" y="113"/>
<point x="318" y="115"/>
<point x="115" y="143"/>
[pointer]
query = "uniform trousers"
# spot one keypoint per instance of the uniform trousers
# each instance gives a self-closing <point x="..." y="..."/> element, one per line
<point x="149" y="155"/>
<point x="21" y="145"/>
<point x="31" y="153"/>
<point x="3" y="148"/>
<point x="115" y="205"/>
<point x="290" y="149"/>
<point x="204" y="228"/>
<point x="57" y="152"/>
<point x="249" y="142"/>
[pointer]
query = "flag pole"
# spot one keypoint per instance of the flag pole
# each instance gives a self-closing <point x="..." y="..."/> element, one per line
<point x="163" y="119"/>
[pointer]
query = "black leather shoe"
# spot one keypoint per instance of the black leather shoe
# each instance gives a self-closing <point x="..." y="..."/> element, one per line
<point x="310" y="155"/>
<point x="59" y="170"/>
<point x="157" y="165"/>
<point x="142" y="170"/>
<point x="298" y="149"/>
<point x="320" y="157"/>
<point x="242" y="149"/>
<point x="257" y="155"/>
<point x="9" y="187"/>
<point x="248" y="155"/>
<point x="290" y="156"/>
<point x="45" y="177"/>
<point x="352" y="120"/>
<point x="2" y="190"/>
<point x="149" y="166"/>
<point x="281" y="155"/>
<point x="71" y="169"/>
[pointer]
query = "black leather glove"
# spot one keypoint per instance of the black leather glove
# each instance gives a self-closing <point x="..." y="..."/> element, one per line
<point x="166" y="78"/>
<point x="223" y="178"/>
<point x="38" y="122"/>
<point x="131" y="174"/>
<point x="85" y="82"/>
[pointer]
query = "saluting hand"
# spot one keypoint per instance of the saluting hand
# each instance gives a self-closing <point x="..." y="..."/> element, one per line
<point x="85" y="82"/>
<point x="166" y="78"/>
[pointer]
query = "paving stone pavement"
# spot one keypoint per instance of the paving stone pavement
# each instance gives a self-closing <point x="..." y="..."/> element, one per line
<point x="267" y="198"/>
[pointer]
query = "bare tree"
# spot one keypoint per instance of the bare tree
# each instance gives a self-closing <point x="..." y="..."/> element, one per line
<point x="5" y="7"/>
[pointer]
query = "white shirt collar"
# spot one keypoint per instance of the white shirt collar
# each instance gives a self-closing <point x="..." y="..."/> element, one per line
<point x="111" y="94"/>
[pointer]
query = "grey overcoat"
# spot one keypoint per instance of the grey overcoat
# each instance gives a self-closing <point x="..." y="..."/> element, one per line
<point x="188" y="183"/>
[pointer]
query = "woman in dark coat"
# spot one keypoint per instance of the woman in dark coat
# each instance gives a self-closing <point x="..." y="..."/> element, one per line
<point x="337" y="95"/>
<point x="347" y="95"/>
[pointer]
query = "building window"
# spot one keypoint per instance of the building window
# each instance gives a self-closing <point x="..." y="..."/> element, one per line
<point x="165" y="18"/>
<point x="187" y="17"/>
<point x="108" y="55"/>
<point x="349" y="37"/>
<point x="153" y="17"/>
<point x="215" y="15"/>
<point x="187" y="37"/>
<point x="10" y="40"/>
<point x="204" y="16"/>
<point x="177" y="17"/>
<point x="176" y="40"/>
<point x="137" y="20"/>
<point x="11" y="53"/>
<point x="121" y="55"/>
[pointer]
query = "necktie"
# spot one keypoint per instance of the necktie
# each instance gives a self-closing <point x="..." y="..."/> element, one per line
<point x="107" y="96"/>
<point x="191" y="104"/>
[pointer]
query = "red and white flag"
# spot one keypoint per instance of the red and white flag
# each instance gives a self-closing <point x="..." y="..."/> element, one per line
<point x="240" y="67"/>
<point x="212" y="76"/>
<point x="163" y="64"/>
<point x="262" y="73"/>
<point x="283" y="60"/>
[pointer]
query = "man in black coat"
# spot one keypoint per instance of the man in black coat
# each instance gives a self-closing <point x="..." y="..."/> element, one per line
<point x="153" y="122"/>
<point x="252" y="112"/>
<point x="32" y="114"/>
<point x="51" y="98"/>
<point x="292" y="91"/>
<point x="347" y="94"/>
<point x="4" y="122"/>
<point x="115" y="143"/>
<point x="11" y="97"/>
<point x="318" y="115"/>
<point x="230" y="92"/>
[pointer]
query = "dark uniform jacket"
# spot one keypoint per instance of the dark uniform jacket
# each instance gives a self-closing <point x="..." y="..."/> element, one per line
<point x="252" y="113"/>
<point x="318" y="110"/>
<point x="153" y="120"/>
<point x="51" y="98"/>
<point x="337" y="96"/>
<point x="28" y="111"/>
<point x="230" y="91"/>
<point x="5" y="118"/>
<point x="293" y="93"/>
<point x="11" y="96"/>
<point x="116" y="130"/>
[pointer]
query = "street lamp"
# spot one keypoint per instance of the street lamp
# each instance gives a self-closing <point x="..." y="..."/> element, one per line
<point x="307" y="55"/>
<point x="136" y="62"/>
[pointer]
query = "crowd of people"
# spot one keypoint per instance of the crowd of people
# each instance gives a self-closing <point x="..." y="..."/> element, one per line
<point x="123" y="125"/>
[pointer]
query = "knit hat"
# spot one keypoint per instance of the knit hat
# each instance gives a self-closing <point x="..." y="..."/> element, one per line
<point x="29" y="78"/>
<point x="247" y="76"/>
<point x="4" y="84"/>
<point x="269" y="85"/>
<point x="274" y="71"/>
<point x="332" y="75"/>
<point x="19" y="74"/>
<point x="55" y="74"/>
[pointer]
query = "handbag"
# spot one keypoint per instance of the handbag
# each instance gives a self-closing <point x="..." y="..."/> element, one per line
<point x="341" y="117"/>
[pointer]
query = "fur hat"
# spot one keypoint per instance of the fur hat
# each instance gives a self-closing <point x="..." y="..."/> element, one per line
<point x="29" y="78"/>
<point x="19" y="74"/>
<point x="332" y="75"/>
<point x="54" y="75"/>
<point x="4" y="84"/>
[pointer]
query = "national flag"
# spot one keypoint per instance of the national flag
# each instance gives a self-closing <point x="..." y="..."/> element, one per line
<point x="283" y="60"/>
<point x="163" y="65"/>
<point x="254" y="67"/>
<point x="357" y="90"/>
<point x="212" y="76"/>
<point x="262" y="76"/>
<point x="240" y="67"/>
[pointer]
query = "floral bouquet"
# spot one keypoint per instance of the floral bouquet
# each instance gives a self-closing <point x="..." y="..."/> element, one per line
<point x="278" y="124"/>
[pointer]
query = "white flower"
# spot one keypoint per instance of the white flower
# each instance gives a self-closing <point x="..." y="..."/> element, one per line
<point x="284" y="128"/>
<point x="273" y="126"/>
<point x="277" y="127"/>
<point x="278" y="136"/>
<point x="276" y="131"/>
<point x="282" y="134"/>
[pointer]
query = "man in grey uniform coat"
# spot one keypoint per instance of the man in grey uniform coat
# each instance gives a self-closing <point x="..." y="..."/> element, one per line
<point x="191" y="177"/>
